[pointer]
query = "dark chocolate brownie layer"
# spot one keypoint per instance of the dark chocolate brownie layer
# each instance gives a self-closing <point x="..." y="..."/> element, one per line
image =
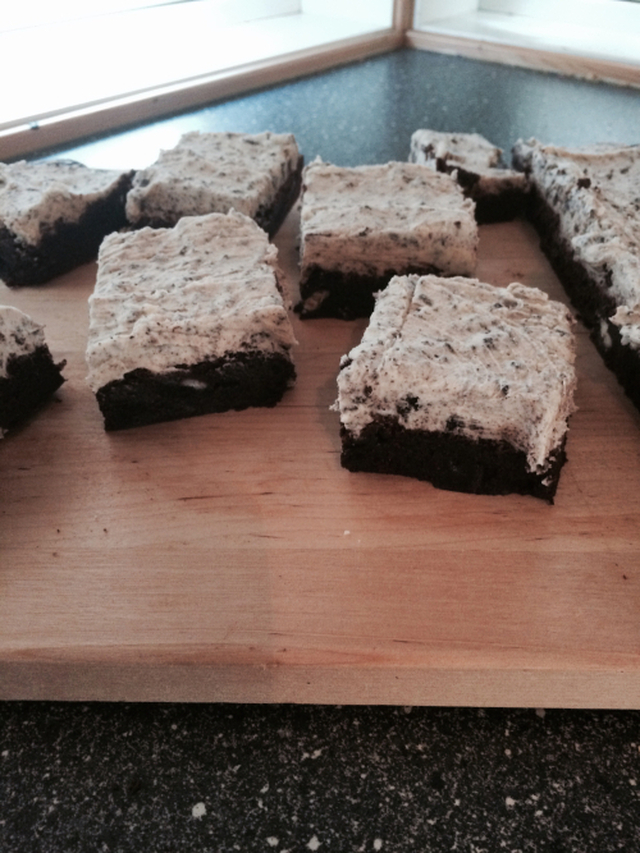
<point x="31" y="379"/>
<point x="271" y="218"/>
<point x="448" y="461"/>
<point x="490" y="207"/>
<point x="234" y="382"/>
<point x="346" y="296"/>
<point x="65" y="245"/>
<point x="623" y="361"/>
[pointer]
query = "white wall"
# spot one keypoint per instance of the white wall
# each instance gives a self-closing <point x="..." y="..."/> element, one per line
<point x="378" y="13"/>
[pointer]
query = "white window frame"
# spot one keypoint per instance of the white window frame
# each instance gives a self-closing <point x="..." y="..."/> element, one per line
<point x="596" y="39"/>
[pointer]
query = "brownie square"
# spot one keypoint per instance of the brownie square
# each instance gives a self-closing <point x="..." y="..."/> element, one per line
<point x="188" y="320"/>
<point x="585" y="205"/>
<point x="499" y="193"/>
<point x="255" y="174"/>
<point x="463" y="384"/>
<point x="28" y="373"/>
<point x="54" y="215"/>
<point x="362" y="225"/>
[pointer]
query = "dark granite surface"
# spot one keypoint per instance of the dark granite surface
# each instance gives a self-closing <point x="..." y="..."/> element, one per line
<point x="366" y="112"/>
<point x="156" y="778"/>
<point x="218" y="778"/>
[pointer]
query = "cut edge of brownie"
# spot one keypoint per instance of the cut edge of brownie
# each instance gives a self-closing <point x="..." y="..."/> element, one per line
<point x="234" y="382"/>
<point x="594" y="306"/>
<point x="501" y="206"/>
<point x="449" y="461"/>
<point x="65" y="245"/>
<point x="31" y="380"/>
<point x="588" y="299"/>
<point x="270" y="217"/>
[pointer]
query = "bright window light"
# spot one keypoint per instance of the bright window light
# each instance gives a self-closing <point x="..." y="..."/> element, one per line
<point x="98" y="64"/>
<point x="607" y="30"/>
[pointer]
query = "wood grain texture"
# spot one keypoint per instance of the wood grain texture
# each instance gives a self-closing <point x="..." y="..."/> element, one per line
<point x="230" y="557"/>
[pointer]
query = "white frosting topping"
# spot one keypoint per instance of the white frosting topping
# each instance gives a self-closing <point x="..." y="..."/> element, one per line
<point x="596" y="193"/>
<point x="628" y="322"/>
<point x="213" y="172"/>
<point x="371" y="219"/>
<point x="180" y="296"/>
<point x="19" y="335"/>
<point x="468" y="151"/>
<point x="466" y="357"/>
<point x="35" y="195"/>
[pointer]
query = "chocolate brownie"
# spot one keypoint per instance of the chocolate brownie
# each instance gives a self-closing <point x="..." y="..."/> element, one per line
<point x="585" y="205"/>
<point x="255" y="174"/>
<point x="53" y="216"/>
<point x="362" y="225"/>
<point x="499" y="193"/>
<point x="188" y="320"/>
<point x="463" y="384"/>
<point x="28" y="373"/>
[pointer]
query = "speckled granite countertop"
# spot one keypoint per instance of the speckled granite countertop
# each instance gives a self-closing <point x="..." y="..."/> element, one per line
<point x="159" y="778"/>
<point x="366" y="112"/>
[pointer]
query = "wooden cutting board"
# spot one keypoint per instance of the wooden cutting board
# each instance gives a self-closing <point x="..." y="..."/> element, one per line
<point x="230" y="557"/>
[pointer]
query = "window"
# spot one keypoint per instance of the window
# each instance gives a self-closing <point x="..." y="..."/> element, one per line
<point x="593" y="38"/>
<point x="73" y="68"/>
<point x="77" y="72"/>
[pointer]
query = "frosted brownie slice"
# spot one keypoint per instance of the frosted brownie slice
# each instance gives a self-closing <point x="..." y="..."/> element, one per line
<point x="28" y="373"/>
<point x="463" y="384"/>
<point x="188" y="320"/>
<point x="53" y="216"/>
<point x="499" y="192"/>
<point x="362" y="225"/>
<point x="255" y="174"/>
<point x="586" y="209"/>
